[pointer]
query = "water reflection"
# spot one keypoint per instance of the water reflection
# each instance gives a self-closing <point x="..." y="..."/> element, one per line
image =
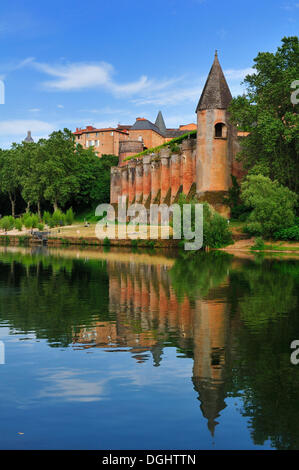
<point x="235" y="318"/>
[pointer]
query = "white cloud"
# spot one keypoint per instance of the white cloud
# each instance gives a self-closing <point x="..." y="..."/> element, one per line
<point x="179" y="95"/>
<point x="289" y="6"/>
<point x="106" y="110"/>
<point x="15" y="65"/>
<point x="68" y="386"/>
<point x="75" y="76"/>
<point x="105" y="124"/>
<point x="174" y="121"/>
<point x="171" y="96"/>
<point x="60" y="106"/>
<point x="238" y="74"/>
<point x="20" y="127"/>
<point x="78" y="76"/>
<point x="34" y="110"/>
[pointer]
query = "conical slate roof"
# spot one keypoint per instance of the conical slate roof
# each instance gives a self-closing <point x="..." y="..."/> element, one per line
<point x="216" y="93"/>
<point x="211" y="394"/>
<point x="160" y="123"/>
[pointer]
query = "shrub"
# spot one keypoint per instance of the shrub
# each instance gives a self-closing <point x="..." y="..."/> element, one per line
<point x="18" y="224"/>
<point x="216" y="232"/>
<point x="27" y="221"/>
<point x="58" y="217"/>
<point x="174" y="148"/>
<point x="253" y="228"/>
<point x="273" y="205"/>
<point x="233" y="200"/>
<point x="259" y="244"/>
<point x="69" y="216"/>
<point x="47" y="217"/>
<point x="7" y="223"/>
<point x="51" y="222"/>
<point x="290" y="233"/>
<point x="240" y="212"/>
<point x="34" y="220"/>
<point x="40" y="226"/>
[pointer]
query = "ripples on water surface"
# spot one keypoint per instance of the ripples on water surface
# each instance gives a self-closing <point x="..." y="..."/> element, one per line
<point x="122" y="350"/>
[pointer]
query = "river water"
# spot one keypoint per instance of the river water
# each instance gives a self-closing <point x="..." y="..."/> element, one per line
<point x="116" y="349"/>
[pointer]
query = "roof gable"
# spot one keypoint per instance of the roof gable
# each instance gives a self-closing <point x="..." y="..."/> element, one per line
<point x="216" y="93"/>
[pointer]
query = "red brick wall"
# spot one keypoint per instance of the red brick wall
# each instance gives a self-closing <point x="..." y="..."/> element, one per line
<point x="175" y="175"/>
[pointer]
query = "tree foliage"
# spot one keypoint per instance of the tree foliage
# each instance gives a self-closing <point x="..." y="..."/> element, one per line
<point x="56" y="172"/>
<point x="273" y="205"/>
<point x="266" y="111"/>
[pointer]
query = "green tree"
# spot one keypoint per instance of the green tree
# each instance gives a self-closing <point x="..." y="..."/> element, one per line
<point x="30" y="164"/>
<point x="9" y="176"/>
<point x="273" y="205"/>
<point x="59" y="169"/>
<point x="266" y="111"/>
<point x="94" y="177"/>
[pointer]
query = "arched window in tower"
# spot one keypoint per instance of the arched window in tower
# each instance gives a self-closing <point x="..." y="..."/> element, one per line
<point x="220" y="130"/>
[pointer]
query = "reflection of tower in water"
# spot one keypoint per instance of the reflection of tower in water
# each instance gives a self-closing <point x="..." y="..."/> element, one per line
<point x="147" y="314"/>
<point x="211" y="329"/>
<point x="203" y="324"/>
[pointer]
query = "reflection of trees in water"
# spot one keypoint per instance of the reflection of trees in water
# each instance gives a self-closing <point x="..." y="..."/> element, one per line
<point x="51" y="295"/>
<point x="269" y="310"/>
<point x="236" y="320"/>
<point x="196" y="275"/>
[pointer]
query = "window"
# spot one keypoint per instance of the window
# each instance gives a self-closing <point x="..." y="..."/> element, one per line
<point x="140" y="138"/>
<point x="97" y="143"/>
<point x="220" y="130"/>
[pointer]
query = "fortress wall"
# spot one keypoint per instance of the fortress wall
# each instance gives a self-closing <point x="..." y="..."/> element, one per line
<point x="131" y="180"/>
<point x="146" y="178"/>
<point x="175" y="175"/>
<point x="124" y="180"/>
<point x="187" y="165"/>
<point x="139" y="182"/>
<point x="156" y="178"/>
<point x="115" y="185"/>
<point x="128" y="148"/>
<point x="165" y="173"/>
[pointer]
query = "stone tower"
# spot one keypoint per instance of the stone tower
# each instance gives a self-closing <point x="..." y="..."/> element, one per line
<point x="28" y="138"/>
<point x="215" y="137"/>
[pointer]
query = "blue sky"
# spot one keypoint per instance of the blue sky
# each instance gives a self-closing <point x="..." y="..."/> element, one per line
<point x="71" y="63"/>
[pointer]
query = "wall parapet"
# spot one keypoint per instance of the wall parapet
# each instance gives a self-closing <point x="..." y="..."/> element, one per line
<point x="157" y="177"/>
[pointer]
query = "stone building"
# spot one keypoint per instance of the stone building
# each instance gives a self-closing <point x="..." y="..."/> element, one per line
<point x="201" y="166"/>
<point x="127" y="140"/>
<point x="144" y="134"/>
<point x="105" y="141"/>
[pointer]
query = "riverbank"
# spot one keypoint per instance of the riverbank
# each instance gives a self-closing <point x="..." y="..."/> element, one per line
<point x="79" y="234"/>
